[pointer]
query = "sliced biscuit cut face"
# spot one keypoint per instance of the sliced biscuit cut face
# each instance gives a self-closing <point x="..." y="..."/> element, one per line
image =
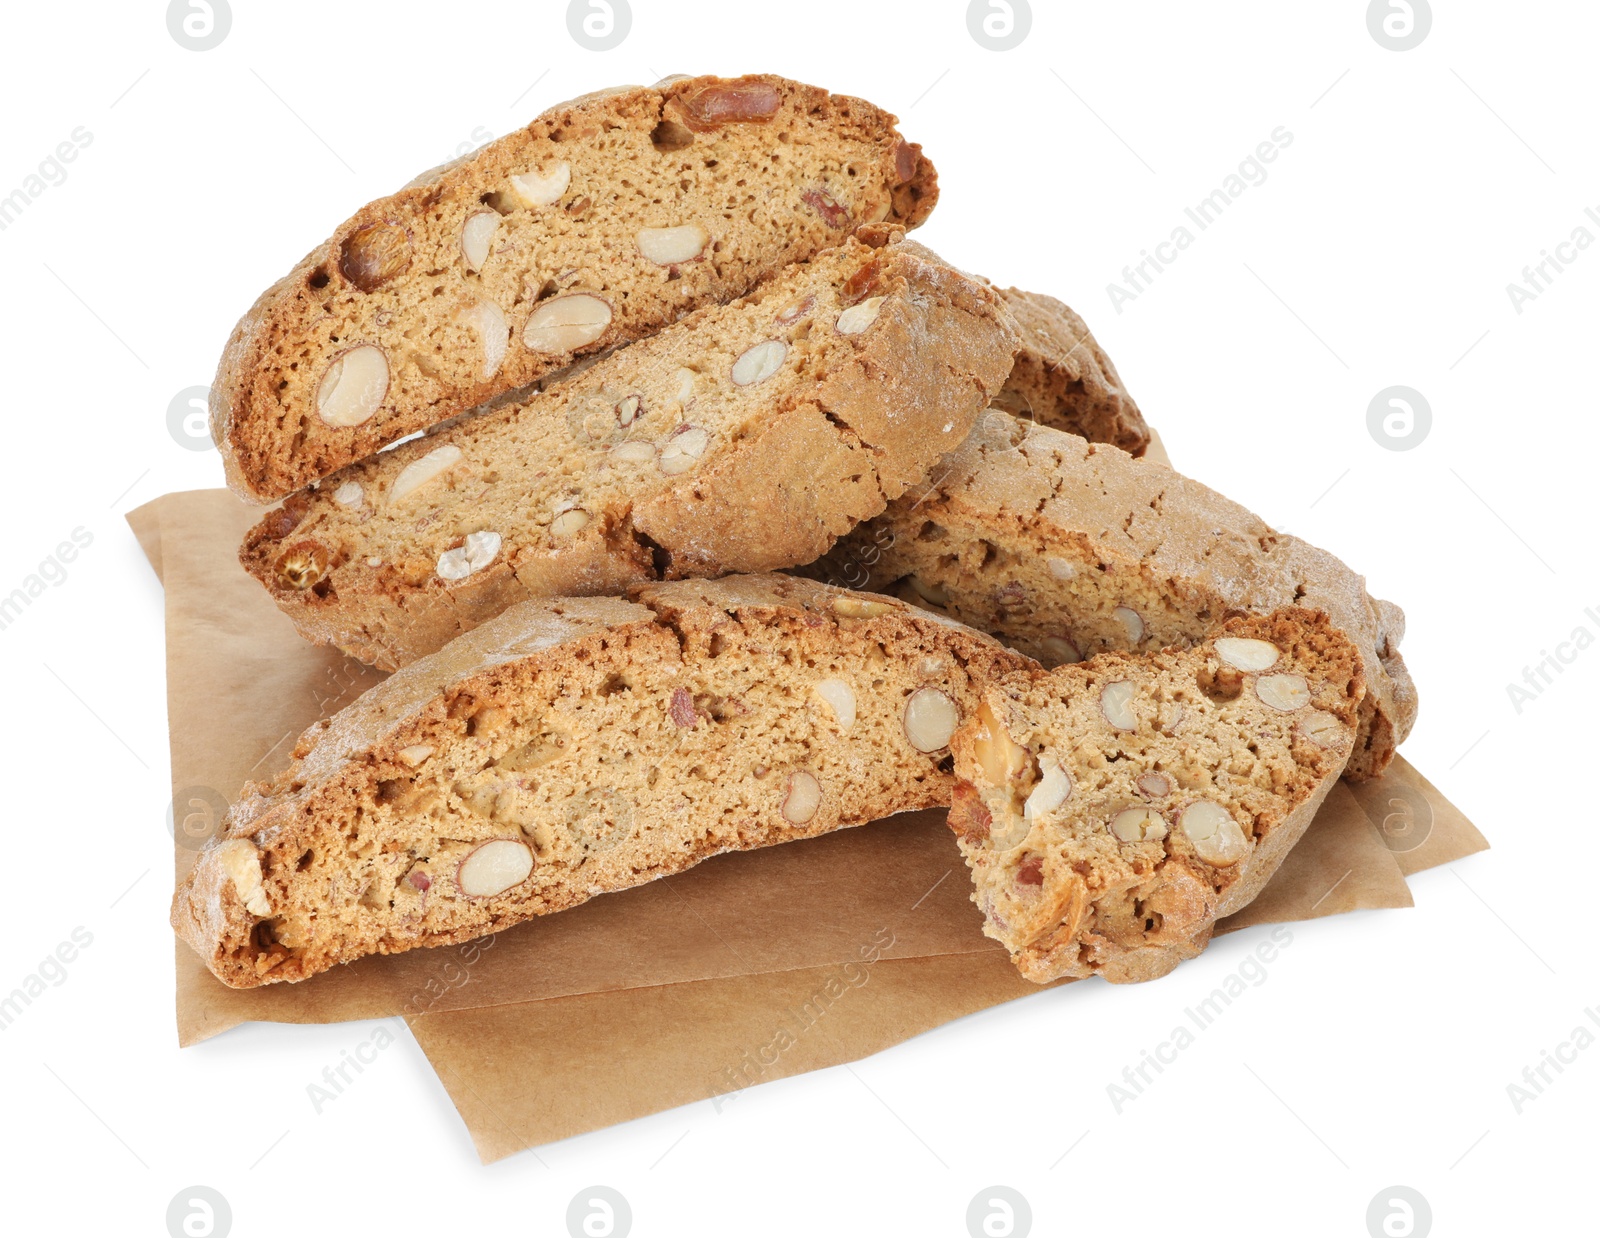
<point x="600" y="222"/>
<point x="1112" y="811"/>
<point x="579" y="746"/>
<point x="745" y="438"/>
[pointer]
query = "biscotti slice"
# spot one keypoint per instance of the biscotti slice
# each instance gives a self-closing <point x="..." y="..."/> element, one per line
<point x="1064" y="379"/>
<point x="602" y="221"/>
<point x="572" y="747"/>
<point x="1066" y="549"/>
<point x="1112" y="811"/>
<point x="745" y="438"/>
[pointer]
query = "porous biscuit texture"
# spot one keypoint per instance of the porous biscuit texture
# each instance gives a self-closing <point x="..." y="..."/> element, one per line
<point x="600" y="222"/>
<point x="1067" y="549"/>
<point x="1112" y="811"/>
<point x="576" y="746"/>
<point x="1064" y="379"/>
<point x="745" y="438"/>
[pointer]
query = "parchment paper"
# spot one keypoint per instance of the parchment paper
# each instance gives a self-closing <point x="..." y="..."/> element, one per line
<point x="675" y="984"/>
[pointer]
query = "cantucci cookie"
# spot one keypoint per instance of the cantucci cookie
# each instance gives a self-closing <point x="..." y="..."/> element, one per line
<point x="577" y="746"/>
<point x="1067" y="549"/>
<point x="1062" y="377"/>
<point x="1112" y="811"/>
<point x="745" y="438"/>
<point x="599" y="223"/>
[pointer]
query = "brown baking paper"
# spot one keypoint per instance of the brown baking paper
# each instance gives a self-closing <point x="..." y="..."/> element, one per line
<point x="871" y="927"/>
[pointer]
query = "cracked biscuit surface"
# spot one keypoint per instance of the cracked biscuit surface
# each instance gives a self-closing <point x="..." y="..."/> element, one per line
<point x="600" y="222"/>
<point x="1112" y="811"/>
<point x="1064" y="379"/>
<point x="577" y="746"/>
<point x="1067" y="549"/>
<point x="745" y="438"/>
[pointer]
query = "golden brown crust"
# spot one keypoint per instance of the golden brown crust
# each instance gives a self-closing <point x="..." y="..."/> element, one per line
<point x="404" y="288"/>
<point x="1066" y="549"/>
<point x="691" y="716"/>
<point x="790" y="463"/>
<point x="1064" y="379"/>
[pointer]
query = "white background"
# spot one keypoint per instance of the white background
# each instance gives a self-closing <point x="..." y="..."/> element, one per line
<point x="1378" y="252"/>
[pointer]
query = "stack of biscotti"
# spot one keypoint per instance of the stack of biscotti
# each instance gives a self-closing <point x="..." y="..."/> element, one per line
<point x="543" y="425"/>
<point x="794" y="364"/>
